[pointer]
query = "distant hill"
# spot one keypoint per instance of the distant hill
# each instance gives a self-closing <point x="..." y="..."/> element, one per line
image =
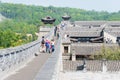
<point x="33" y="14"/>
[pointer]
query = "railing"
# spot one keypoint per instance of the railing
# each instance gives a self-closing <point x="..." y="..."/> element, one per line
<point x="53" y="66"/>
<point x="14" y="58"/>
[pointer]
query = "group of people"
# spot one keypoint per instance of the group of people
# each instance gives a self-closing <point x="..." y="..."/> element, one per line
<point x="47" y="45"/>
<point x="57" y="29"/>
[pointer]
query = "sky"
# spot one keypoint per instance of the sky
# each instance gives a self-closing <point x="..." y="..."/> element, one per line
<point x="97" y="5"/>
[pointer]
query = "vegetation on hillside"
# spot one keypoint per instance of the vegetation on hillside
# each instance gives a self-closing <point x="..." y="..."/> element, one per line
<point x="14" y="33"/>
<point x="32" y="14"/>
<point x="25" y="19"/>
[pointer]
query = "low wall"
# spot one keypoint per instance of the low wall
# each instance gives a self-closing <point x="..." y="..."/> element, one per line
<point x="12" y="59"/>
<point x="92" y="65"/>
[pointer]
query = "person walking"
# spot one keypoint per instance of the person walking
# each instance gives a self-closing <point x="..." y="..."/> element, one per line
<point x="58" y="32"/>
<point x="47" y="44"/>
<point x="55" y="30"/>
<point x="52" y="45"/>
<point x="62" y="25"/>
<point x="43" y="44"/>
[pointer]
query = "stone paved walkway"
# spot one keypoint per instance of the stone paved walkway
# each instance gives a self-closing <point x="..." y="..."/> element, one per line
<point x="31" y="69"/>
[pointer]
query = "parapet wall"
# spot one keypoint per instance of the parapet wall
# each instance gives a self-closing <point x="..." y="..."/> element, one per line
<point x="92" y="65"/>
<point x="12" y="59"/>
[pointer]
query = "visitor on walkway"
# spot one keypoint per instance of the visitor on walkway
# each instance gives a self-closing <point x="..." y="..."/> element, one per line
<point x="52" y="45"/>
<point x="58" y="32"/>
<point x="43" y="44"/>
<point x="62" y="25"/>
<point x="47" y="44"/>
<point x="55" y="30"/>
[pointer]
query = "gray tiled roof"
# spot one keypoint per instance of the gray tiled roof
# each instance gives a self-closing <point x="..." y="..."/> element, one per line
<point x="82" y="33"/>
<point x="66" y="41"/>
<point x="110" y="29"/>
<point x="109" y="23"/>
<point x="83" y="28"/>
<point x="113" y="23"/>
<point x="115" y="31"/>
<point x="116" y="34"/>
<point x="90" y="22"/>
<point x="88" y="48"/>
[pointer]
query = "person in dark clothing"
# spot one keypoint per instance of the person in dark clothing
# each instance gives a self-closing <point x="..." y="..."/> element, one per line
<point x="43" y="44"/>
<point x="58" y="32"/>
<point x="55" y="30"/>
<point x="47" y="44"/>
<point x="52" y="45"/>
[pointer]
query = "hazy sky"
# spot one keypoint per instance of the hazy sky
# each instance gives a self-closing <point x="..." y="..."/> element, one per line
<point x="98" y="5"/>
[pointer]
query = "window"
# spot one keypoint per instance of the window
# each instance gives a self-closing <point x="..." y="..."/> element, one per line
<point x="65" y="49"/>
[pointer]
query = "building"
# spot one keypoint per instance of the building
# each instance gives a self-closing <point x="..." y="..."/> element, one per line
<point x="85" y="40"/>
<point x="87" y="37"/>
